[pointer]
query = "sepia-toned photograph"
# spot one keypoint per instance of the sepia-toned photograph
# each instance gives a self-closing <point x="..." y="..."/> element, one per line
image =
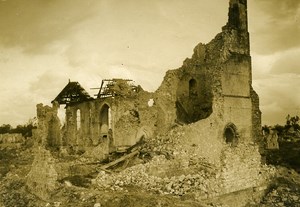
<point x="150" y="103"/>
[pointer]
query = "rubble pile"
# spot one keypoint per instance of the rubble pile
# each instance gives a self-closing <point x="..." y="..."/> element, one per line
<point x="174" y="143"/>
<point x="178" y="169"/>
<point x="42" y="178"/>
<point x="282" y="196"/>
<point x="165" y="143"/>
<point x="141" y="176"/>
<point x="285" y="190"/>
<point x="174" y="147"/>
<point x="187" y="138"/>
<point x="11" y="138"/>
<point x="13" y="192"/>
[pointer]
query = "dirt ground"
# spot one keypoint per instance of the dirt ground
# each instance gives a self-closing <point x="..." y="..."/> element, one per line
<point x="80" y="191"/>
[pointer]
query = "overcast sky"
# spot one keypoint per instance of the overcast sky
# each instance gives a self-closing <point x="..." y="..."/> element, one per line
<point x="43" y="43"/>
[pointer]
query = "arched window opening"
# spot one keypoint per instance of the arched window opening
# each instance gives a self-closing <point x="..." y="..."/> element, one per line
<point x="192" y="87"/>
<point x="78" y="119"/>
<point x="105" y="120"/>
<point x="61" y="113"/>
<point x="230" y="135"/>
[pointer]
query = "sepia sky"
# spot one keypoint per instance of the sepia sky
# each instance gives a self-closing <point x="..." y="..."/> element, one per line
<point x="43" y="43"/>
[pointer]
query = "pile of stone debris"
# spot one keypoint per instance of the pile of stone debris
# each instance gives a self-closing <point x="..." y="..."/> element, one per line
<point x="285" y="190"/>
<point x="165" y="167"/>
<point x="153" y="176"/>
<point x="282" y="196"/>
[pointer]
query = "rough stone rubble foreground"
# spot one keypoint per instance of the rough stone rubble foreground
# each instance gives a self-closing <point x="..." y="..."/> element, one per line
<point x="205" y="115"/>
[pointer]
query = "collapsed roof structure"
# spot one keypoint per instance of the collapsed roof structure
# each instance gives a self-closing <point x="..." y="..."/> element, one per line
<point x="72" y="93"/>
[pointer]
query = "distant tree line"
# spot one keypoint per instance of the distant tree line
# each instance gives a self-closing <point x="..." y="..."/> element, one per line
<point x="25" y="130"/>
<point x="291" y="127"/>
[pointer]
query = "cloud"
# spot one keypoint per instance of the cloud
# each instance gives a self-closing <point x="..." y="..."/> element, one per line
<point x="276" y="27"/>
<point x="17" y="109"/>
<point x="278" y="96"/>
<point x="18" y="72"/>
<point x="148" y="78"/>
<point x="17" y="105"/>
<point x="287" y="63"/>
<point x="262" y="64"/>
<point x="34" y="24"/>
<point x="144" y="35"/>
<point x="278" y="9"/>
<point x="46" y="86"/>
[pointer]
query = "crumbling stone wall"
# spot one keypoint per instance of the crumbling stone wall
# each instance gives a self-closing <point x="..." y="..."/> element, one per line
<point x="256" y="117"/>
<point x="271" y="140"/>
<point x="134" y="119"/>
<point x="194" y="96"/>
<point x="165" y="99"/>
<point x="48" y="131"/>
<point x="11" y="138"/>
<point x="241" y="168"/>
<point x="78" y="121"/>
<point x="42" y="178"/>
<point x="185" y="95"/>
<point x="82" y="129"/>
<point x="221" y="71"/>
<point x="113" y="121"/>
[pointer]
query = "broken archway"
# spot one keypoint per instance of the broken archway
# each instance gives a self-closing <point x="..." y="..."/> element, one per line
<point x="230" y="134"/>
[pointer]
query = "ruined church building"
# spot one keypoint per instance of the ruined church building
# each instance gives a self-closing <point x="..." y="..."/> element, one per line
<point x="211" y="93"/>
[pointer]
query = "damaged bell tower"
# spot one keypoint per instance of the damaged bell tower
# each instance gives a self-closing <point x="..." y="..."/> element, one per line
<point x="213" y="87"/>
<point x="241" y="103"/>
<point x="237" y="17"/>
